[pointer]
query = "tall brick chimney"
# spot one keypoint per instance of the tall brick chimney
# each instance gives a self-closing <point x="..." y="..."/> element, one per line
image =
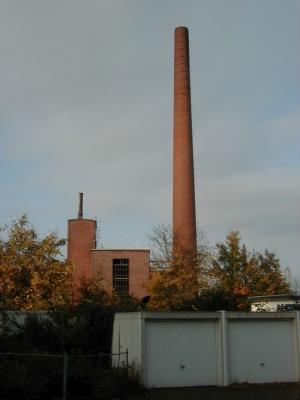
<point x="184" y="212"/>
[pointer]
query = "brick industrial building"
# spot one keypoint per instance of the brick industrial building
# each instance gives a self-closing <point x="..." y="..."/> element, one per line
<point x="127" y="270"/>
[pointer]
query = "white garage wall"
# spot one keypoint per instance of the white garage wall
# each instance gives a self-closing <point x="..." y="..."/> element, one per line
<point x="127" y="334"/>
<point x="181" y="353"/>
<point x="206" y="348"/>
<point x="260" y="352"/>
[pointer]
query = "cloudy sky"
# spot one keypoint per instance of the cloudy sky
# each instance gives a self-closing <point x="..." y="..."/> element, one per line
<point x="86" y="106"/>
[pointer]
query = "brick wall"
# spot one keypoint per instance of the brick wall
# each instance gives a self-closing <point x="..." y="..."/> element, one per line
<point x="138" y="267"/>
<point x="81" y="237"/>
<point x="184" y="214"/>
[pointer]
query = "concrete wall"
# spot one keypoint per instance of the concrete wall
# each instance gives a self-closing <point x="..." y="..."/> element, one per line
<point x="270" y="303"/>
<point x="127" y="334"/>
<point x="210" y="348"/>
<point x="14" y="318"/>
<point x="265" y="305"/>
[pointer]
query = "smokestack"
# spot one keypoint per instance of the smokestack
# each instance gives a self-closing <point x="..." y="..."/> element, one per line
<point x="80" y="207"/>
<point x="184" y="212"/>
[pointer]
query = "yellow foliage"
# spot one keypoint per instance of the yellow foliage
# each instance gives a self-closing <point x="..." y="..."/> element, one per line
<point x="213" y="278"/>
<point x="33" y="275"/>
<point x="176" y="273"/>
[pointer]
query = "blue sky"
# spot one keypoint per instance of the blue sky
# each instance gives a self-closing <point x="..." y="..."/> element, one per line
<point x="87" y="103"/>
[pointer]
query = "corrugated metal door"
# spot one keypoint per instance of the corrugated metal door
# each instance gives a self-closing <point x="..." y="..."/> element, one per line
<point x="181" y="354"/>
<point x="260" y="351"/>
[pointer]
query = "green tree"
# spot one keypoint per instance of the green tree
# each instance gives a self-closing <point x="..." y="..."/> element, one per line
<point x="33" y="274"/>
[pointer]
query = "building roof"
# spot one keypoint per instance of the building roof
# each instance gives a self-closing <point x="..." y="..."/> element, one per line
<point x="275" y="297"/>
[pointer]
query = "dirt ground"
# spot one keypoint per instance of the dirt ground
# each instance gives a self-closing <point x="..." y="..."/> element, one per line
<point x="280" y="391"/>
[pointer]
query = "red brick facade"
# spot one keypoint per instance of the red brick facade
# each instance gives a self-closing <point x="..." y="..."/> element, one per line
<point x="138" y="267"/>
<point x="81" y="250"/>
<point x="81" y="239"/>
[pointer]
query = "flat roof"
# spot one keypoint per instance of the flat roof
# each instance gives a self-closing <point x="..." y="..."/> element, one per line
<point x="287" y="296"/>
<point x="120" y="249"/>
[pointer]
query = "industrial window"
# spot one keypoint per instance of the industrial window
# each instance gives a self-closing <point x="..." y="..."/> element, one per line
<point x="121" y="275"/>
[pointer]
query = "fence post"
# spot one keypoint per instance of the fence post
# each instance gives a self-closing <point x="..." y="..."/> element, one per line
<point x="225" y="364"/>
<point x="65" y="378"/>
<point x="127" y="362"/>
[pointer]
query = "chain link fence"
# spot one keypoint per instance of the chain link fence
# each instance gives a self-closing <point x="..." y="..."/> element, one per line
<point x="61" y="377"/>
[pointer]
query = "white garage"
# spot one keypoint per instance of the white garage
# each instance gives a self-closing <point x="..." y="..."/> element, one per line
<point x="261" y="352"/>
<point x="171" y="355"/>
<point x="180" y="349"/>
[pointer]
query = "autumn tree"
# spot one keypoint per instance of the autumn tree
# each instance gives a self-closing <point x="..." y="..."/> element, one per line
<point x="294" y="281"/>
<point x="236" y="274"/>
<point x="176" y="276"/>
<point x="33" y="274"/>
<point x="92" y="292"/>
<point x="221" y="278"/>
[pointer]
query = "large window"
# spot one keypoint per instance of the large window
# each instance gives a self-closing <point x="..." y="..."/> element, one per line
<point x="121" y="275"/>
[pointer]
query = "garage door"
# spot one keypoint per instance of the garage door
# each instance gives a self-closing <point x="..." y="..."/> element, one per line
<point x="261" y="351"/>
<point x="180" y="354"/>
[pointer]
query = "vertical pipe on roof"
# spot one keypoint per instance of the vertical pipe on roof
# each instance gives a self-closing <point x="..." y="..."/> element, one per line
<point x="80" y="206"/>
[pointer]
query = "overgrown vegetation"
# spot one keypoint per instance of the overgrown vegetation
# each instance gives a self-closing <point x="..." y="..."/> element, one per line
<point x="81" y="331"/>
<point x="33" y="274"/>
<point x="42" y="377"/>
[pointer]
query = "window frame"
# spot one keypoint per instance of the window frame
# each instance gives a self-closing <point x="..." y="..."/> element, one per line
<point x="120" y="275"/>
